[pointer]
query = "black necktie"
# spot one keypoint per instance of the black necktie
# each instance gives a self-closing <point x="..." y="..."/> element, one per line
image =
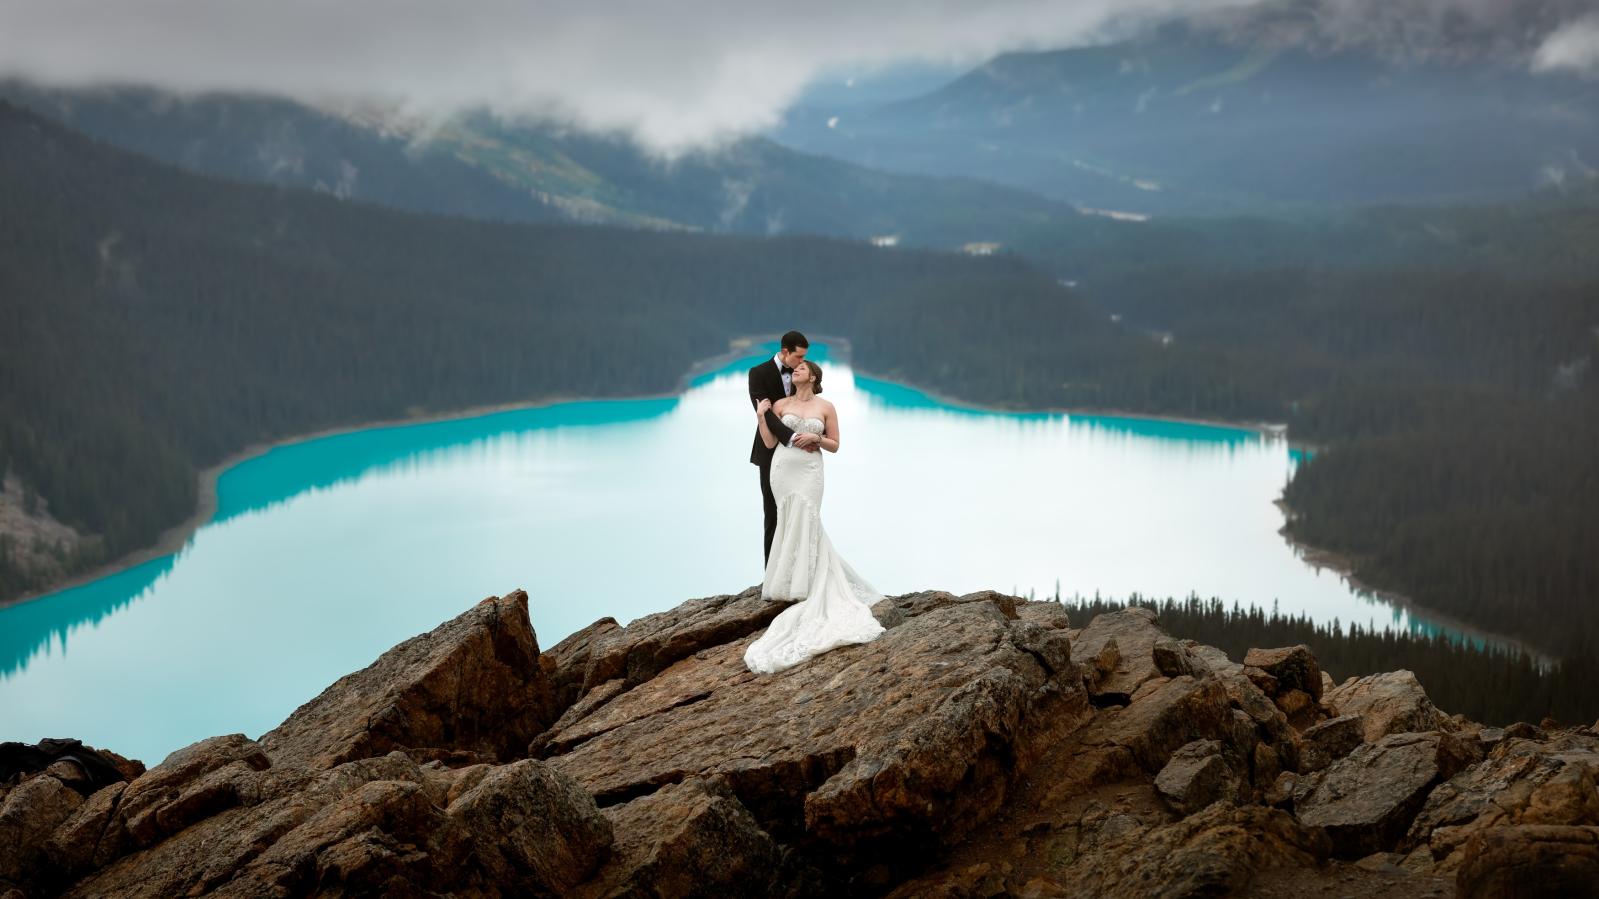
<point x="785" y="369"/>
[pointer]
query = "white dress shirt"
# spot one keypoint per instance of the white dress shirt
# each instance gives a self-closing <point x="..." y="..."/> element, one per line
<point x="788" y="378"/>
<point x="788" y="387"/>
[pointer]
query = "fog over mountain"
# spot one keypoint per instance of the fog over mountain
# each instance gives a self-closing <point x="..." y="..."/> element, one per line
<point x="1540" y="34"/>
<point x="679" y="77"/>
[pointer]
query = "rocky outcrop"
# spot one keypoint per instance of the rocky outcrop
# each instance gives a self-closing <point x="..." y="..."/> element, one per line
<point x="980" y="746"/>
<point x="1366" y="801"/>
<point x="1117" y="652"/>
<point x="28" y="818"/>
<point x="81" y="767"/>
<point x="913" y="737"/>
<point x="1531" y="862"/>
<point x="1390" y="703"/>
<point x="1197" y="775"/>
<point x="473" y="684"/>
<point x="689" y="838"/>
<point x="1331" y="740"/>
<point x="1291" y="668"/>
<point x="650" y="644"/>
<point x="1522" y="782"/>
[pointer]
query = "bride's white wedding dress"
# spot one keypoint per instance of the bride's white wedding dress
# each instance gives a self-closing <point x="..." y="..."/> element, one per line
<point x="836" y="603"/>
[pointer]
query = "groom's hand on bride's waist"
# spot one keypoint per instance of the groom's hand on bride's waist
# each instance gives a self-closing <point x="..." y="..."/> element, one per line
<point x="809" y="442"/>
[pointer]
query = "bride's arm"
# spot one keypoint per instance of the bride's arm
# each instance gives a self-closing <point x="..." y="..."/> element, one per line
<point x="830" y="439"/>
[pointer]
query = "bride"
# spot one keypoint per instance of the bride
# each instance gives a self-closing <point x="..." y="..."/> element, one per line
<point x="835" y="607"/>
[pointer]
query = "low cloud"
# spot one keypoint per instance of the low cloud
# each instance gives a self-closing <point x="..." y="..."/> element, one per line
<point x="1574" y="47"/>
<point x="1406" y="31"/>
<point x="676" y="76"/>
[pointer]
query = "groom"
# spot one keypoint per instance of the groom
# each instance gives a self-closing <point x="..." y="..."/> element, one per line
<point x="770" y="381"/>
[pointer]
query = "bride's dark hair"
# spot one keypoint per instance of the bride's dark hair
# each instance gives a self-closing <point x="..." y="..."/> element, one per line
<point x="816" y="376"/>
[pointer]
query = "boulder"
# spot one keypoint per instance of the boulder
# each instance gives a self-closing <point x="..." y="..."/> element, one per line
<point x="1301" y="710"/>
<point x="1367" y="800"/>
<point x="892" y="611"/>
<point x="686" y="839"/>
<point x="1331" y="740"/>
<point x="1281" y="792"/>
<point x="527" y="829"/>
<point x="1490" y="737"/>
<point x="212" y="852"/>
<point x="1294" y="668"/>
<point x="650" y="644"/>
<point x="81" y="767"/>
<point x="567" y="662"/>
<point x="473" y="683"/>
<point x="1539" y="861"/>
<point x="1263" y="681"/>
<point x="913" y="737"/>
<point x="1389" y="703"/>
<point x="1522" y="730"/>
<point x="1130" y="664"/>
<point x="1046" y="614"/>
<point x="1172" y="659"/>
<point x="1197" y="775"/>
<point x="31" y="813"/>
<point x="1521" y="782"/>
<point x="76" y="843"/>
<point x="1219" y="851"/>
<point x="191" y="784"/>
<point x="1179" y="711"/>
<point x="377" y="826"/>
<point x="1271" y="724"/>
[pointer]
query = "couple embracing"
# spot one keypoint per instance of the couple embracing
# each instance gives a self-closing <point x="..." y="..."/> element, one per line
<point x="794" y="428"/>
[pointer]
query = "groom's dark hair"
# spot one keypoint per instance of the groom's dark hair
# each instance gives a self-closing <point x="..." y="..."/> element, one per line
<point x="793" y="340"/>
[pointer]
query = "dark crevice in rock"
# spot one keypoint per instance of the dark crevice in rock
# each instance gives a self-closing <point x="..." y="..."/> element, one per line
<point x="111" y="818"/>
<point x="559" y="747"/>
<point x="1038" y="657"/>
<point x="631" y="792"/>
<point x="775" y="794"/>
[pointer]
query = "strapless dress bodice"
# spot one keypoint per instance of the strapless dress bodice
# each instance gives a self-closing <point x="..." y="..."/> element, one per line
<point x="805" y="425"/>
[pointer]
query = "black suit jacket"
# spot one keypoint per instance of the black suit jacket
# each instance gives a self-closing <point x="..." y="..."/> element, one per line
<point x="766" y="383"/>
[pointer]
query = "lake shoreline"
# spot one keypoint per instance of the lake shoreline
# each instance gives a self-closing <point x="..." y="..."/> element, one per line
<point x="1266" y="428"/>
<point x="1344" y="567"/>
<point x="1314" y="556"/>
<point x="176" y="538"/>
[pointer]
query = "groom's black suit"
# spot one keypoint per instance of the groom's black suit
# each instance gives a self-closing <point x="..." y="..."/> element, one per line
<point x="766" y="383"/>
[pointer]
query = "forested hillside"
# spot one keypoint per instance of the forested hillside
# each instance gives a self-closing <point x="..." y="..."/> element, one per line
<point x="478" y="166"/>
<point x="153" y="322"/>
<point x="1443" y="360"/>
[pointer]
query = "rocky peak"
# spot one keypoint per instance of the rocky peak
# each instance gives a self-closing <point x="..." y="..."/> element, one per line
<point x="979" y="747"/>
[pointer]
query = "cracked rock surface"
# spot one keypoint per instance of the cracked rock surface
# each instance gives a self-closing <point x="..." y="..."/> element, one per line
<point x="981" y="746"/>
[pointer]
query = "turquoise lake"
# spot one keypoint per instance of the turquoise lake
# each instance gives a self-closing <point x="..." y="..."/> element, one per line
<point x="325" y="553"/>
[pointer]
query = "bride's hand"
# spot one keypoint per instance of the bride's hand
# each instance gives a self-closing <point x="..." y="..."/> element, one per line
<point x="761" y="407"/>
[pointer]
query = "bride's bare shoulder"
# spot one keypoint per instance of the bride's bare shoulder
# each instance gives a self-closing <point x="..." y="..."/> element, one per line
<point x="827" y="406"/>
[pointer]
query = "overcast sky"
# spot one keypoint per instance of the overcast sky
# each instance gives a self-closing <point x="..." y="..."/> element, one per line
<point x="681" y="73"/>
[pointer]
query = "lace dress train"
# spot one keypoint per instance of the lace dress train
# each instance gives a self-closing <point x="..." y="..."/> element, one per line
<point x="835" y="602"/>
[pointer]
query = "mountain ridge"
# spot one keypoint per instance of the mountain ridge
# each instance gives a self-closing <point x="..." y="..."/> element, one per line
<point x="1186" y="123"/>
<point x="480" y="166"/>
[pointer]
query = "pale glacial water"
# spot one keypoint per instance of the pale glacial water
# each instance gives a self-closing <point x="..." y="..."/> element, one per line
<point x="325" y="553"/>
